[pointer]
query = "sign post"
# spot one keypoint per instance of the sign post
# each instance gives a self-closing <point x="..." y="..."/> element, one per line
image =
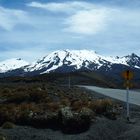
<point x="127" y="75"/>
<point x="69" y="82"/>
<point x="127" y="100"/>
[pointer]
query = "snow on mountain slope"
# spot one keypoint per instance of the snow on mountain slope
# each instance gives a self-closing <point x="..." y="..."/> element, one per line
<point x="130" y="60"/>
<point x="117" y="60"/>
<point x="71" y="60"/>
<point x="74" y="58"/>
<point x="12" y="64"/>
<point x="80" y="58"/>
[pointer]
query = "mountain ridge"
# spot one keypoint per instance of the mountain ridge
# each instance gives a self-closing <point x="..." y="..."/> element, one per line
<point x="11" y="64"/>
<point x="71" y="61"/>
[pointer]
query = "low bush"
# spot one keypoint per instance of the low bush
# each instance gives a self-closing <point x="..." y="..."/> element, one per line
<point x="100" y="106"/>
<point x="77" y="105"/>
<point x="45" y="120"/>
<point x="8" y="125"/>
<point x="2" y="136"/>
<point x="53" y="106"/>
<point x="37" y="96"/>
<point x="7" y="113"/>
<point x="65" y="102"/>
<point x="6" y="90"/>
<point x="17" y="97"/>
<point x="73" y="122"/>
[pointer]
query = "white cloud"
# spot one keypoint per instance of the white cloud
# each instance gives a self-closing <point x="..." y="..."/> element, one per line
<point x="28" y="54"/>
<point x="83" y="17"/>
<point x="9" y="18"/>
<point x="61" y="7"/>
<point x="87" y="22"/>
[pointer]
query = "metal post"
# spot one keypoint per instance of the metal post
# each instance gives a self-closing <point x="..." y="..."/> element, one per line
<point x="127" y="102"/>
<point x="69" y="81"/>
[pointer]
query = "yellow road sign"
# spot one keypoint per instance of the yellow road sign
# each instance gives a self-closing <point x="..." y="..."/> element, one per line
<point x="128" y="75"/>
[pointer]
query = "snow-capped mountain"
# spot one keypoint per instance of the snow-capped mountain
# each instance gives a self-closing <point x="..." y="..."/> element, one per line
<point x="130" y="60"/>
<point x="12" y="64"/>
<point x="65" y="61"/>
<point x="69" y="61"/>
<point x="74" y="58"/>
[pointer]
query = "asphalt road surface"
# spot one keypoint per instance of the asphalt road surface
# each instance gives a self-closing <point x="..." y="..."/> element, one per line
<point x="134" y="96"/>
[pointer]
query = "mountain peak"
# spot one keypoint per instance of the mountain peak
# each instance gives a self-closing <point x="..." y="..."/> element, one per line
<point x="133" y="55"/>
<point x="19" y="59"/>
<point x="11" y="64"/>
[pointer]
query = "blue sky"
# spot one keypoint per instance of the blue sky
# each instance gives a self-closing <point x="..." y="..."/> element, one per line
<point x="30" y="29"/>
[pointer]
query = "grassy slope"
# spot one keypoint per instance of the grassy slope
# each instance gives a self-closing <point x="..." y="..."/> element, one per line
<point x="77" y="78"/>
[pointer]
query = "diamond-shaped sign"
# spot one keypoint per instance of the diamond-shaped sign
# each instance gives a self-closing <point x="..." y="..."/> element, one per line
<point x="128" y="75"/>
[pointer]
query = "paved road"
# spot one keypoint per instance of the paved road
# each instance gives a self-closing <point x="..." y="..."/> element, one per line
<point x="117" y="94"/>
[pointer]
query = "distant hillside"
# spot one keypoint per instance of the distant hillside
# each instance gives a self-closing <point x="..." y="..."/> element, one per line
<point x="75" y="78"/>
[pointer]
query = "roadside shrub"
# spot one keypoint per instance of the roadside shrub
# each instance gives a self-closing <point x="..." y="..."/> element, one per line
<point x="37" y="96"/>
<point x="100" y="106"/>
<point x="7" y="113"/>
<point x="65" y="102"/>
<point x="43" y="119"/>
<point x="104" y="107"/>
<point x="47" y="99"/>
<point x="2" y="136"/>
<point x="87" y="114"/>
<point x="53" y="106"/>
<point x="17" y="98"/>
<point x="25" y="112"/>
<point x="73" y="122"/>
<point x="6" y="90"/>
<point x="112" y="112"/>
<point x="28" y="107"/>
<point x="8" y="125"/>
<point x="77" y="105"/>
<point x="20" y="89"/>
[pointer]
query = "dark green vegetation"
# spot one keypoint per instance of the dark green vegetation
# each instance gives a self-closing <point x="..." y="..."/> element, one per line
<point x="43" y="103"/>
<point x="76" y="78"/>
<point x="8" y="125"/>
<point x="2" y="136"/>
